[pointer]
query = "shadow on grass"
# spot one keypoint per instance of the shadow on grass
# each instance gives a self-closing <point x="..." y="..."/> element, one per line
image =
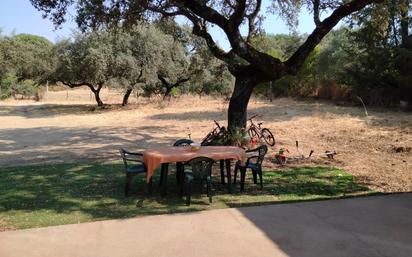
<point x="38" y="196"/>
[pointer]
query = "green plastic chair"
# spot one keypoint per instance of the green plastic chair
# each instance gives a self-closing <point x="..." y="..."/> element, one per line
<point x="133" y="163"/>
<point x="254" y="163"/>
<point x="179" y="165"/>
<point x="199" y="168"/>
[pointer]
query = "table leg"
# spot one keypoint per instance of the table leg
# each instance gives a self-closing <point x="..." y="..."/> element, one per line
<point x="222" y="171"/>
<point x="165" y="167"/>
<point x="150" y="186"/>
<point x="229" y="176"/>
<point x="161" y="178"/>
<point x="179" y="168"/>
<point x="242" y="178"/>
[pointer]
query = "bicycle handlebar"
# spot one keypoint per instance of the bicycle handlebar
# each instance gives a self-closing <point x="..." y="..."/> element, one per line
<point x="217" y="124"/>
<point x="254" y="116"/>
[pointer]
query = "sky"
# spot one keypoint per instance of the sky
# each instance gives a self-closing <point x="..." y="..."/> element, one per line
<point x="19" y="16"/>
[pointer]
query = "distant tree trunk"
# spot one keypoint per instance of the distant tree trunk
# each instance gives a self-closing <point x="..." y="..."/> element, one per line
<point x="126" y="96"/>
<point x="96" y="92"/>
<point x="167" y="95"/>
<point x="169" y="86"/>
<point x="405" y="24"/>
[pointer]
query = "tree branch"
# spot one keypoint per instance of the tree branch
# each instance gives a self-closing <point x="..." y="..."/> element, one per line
<point x="208" y="13"/>
<point x="180" y="81"/>
<point x="251" y="20"/>
<point x="163" y="80"/>
<point x="74" y="85"/>
<point x="316" y="18"/>
<point x="236" y="18"/>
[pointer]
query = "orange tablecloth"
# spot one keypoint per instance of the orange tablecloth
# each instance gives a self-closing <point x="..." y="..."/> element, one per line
<point x="155" y="156"/>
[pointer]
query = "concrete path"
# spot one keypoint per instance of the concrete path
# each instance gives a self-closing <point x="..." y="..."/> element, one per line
<point x="368" y="226"/>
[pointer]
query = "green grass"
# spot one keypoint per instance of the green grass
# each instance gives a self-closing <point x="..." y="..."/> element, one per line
<point x="38" y="196"/>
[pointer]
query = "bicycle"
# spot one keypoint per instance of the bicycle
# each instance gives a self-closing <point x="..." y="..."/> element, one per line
<point x="259" y="132"/>
<point x="218" y="132"/>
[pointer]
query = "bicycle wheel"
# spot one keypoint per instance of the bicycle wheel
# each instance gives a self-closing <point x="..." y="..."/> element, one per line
<point x="252" y="132"/>
<point x="268" y="137"/>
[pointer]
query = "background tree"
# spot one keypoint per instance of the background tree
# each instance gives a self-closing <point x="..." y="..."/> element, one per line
<point x="135" y="57"/>
<point x="381" y="70"/>
<point x="247" y="64"/>
<point x="85" y="62"/>
<point x="25" y="62"/>
<point x="209" y="74"/>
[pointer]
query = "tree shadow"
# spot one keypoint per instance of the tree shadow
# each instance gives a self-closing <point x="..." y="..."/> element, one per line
<point x="46" y="110"/>
<point x="286" y="109"/>
<point x="24" y="146"/>
<point x="71" y="193"/>
<point x="30" y="111"/>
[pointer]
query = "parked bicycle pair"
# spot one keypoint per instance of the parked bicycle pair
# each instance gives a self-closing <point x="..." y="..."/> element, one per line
<point x="221" y="136"/>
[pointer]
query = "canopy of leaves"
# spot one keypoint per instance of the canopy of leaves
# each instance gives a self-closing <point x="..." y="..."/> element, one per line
<point x="27" y="56"/>
<point x="229" y="15"/>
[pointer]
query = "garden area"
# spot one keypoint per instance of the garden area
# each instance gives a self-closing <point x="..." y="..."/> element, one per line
<point x="60" y="161"/>
<point x="38" y="196"/>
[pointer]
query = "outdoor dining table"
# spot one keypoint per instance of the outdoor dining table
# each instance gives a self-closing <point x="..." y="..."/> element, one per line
<point x="163" y="155"/>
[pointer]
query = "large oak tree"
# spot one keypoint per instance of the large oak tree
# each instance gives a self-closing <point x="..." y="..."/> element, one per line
<point x="247" y="64"/>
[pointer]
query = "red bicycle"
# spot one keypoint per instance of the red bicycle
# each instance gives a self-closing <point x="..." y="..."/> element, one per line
<point x="259" y="132"/>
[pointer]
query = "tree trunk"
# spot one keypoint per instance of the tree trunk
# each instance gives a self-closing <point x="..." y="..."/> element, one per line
<point x="237" y="112"/>
<point x="126" y="96"/>
<point x="167" y="94"/>
<point x="96" y="93"/>
<point x="405" y="24"/>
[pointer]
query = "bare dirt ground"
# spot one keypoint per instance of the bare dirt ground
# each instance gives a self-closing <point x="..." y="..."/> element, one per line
<point x="68" y="128"/>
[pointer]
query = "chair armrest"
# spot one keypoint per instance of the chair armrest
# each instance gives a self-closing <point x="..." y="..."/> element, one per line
<point x="248" y="160"/>
<point x="132" y="153"/>
<point x="133" y="160"/>
<point x="131" y="156"/>
<point x="253" y="150"/>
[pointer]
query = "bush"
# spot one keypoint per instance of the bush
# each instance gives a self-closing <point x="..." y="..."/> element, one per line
<point x="6" y="85"/>
<point x="11" y="86"/>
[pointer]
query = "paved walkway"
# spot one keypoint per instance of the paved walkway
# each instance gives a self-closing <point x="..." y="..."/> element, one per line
<point x="368" y="226"/>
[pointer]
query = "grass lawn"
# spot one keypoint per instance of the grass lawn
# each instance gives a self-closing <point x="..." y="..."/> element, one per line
<point x="38" y="196"/>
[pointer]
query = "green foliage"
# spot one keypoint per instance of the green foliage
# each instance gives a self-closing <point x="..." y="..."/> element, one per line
<point x="348" y="63"/>
<point x="86" y="60"/>
<point x="11" y="86"/>
<point x="239" y="137"/>
<point x="283" y="46"/>
<point x="25" y="61"/>
<point x="208" y="74"/>
<point x="7" y="84"/>
<point x="280" y="45"/>
<point x="28" y="56"/>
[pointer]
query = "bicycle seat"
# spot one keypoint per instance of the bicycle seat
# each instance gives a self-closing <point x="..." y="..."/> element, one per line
<point x="260" y="123"/>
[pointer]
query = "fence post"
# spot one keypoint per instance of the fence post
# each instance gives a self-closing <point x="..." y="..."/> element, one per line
<point x="47" y="91"/>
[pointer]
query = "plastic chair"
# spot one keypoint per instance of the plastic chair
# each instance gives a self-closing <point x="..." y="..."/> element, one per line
<point x="133" y="163"/>
<point x="199" y="168"/>
<point x="254" y="163"/>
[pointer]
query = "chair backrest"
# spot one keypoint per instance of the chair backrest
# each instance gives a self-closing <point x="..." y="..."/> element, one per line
<point x="129" y="157"/>
<point x="263" y="149"/>
<point x="261" y="152"/>
<point x="201" y="167"/>
<point x="124" y="157"/>
<point x="183" y="142"/>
